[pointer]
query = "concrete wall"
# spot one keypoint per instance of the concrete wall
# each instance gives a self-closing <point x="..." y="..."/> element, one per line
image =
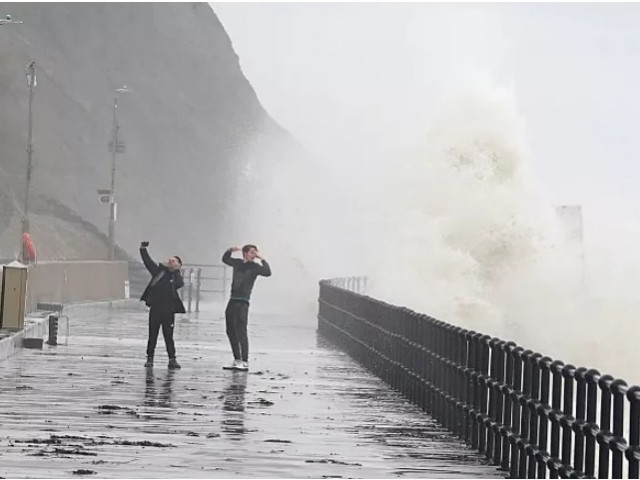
<point x="12" y="342"/>
<point x="69" y="282"/>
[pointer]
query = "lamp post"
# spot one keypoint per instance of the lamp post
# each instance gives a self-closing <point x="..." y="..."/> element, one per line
<point x="31" y="83"/>
<point x="114" y="147"/>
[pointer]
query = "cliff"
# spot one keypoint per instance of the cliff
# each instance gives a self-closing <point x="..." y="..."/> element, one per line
<point x="188" y="125"/>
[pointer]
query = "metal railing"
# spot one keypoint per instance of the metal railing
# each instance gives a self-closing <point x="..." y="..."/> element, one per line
<point x="353" y="284"/>
<point x="202" y="282"/>
<point x="530" y="415"/>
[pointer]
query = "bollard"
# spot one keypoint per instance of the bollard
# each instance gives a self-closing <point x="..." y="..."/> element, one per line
<point x="53" y="330"/>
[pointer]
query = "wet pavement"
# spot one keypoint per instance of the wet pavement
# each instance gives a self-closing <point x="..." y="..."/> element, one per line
<point x="304" y="410"/>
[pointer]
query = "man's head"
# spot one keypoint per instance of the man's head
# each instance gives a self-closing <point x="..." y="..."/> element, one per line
<point x="249" y="252"/>
<point x="174" y="263"/>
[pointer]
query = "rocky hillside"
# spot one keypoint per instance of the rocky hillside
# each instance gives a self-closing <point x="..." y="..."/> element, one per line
<point x="188" y="125"/>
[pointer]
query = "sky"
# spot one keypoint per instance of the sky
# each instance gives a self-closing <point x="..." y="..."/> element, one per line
<point x="358" y="79"/>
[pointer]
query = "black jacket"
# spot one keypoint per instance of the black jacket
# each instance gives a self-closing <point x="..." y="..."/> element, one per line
<point x="244" y="275"/>
<point x="162" y="290"/>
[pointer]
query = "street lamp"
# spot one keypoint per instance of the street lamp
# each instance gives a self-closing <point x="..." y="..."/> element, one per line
<point x="8" y="19"/>
<point x="114" y="147"/>
<point x="30" y="73"/>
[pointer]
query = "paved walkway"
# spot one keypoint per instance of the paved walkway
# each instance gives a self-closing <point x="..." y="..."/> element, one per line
<point x="305" y="410"/>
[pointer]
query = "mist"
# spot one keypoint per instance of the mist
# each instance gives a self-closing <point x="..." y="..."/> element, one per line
<point x="441" y="137"/>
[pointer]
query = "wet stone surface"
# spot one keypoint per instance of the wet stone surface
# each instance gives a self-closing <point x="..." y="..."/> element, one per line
<point x="304" y="410"/>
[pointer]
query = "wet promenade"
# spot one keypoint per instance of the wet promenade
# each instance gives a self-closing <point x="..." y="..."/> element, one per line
<point x="304" y="410"/>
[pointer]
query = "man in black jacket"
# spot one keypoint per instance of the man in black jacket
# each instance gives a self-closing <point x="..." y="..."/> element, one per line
<point x="245" y="272"/>
<point x="161" y="295"/>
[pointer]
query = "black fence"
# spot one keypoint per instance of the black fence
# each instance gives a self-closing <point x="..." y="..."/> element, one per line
<point x="530" y="415"/>
<point x="204" y="282"/>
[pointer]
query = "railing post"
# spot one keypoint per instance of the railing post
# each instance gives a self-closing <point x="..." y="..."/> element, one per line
<point x="556" y="372"/>
<point x="198" y="285"/>
<point x="592" y="378"/>
<point x="618" y="390"/>
<point x="515" y="410"/>
<point x="224" y="282"/>
<point x="581" y="415"/>
<point x="491" y="397"/>
<point x="447" y="357"/>
<point x="527" y="385"/>
<point x="475" y="393"/>
<point x="544" y="412"/>
<point x="190" y="289"/>
<point x="532" y="405"/>
<point x="469" y="387"/>
<point x="461" y="391"/>
<point x="404" y="351"/>
<point x="633" y="394"/>
<point x="568" y="373"/>
<point x="438" y="373"/>
<point x="605" y="425"/>
<point x="497" y="373"/>
<point x="484" y="393"/>
<point x="508" y="405"/>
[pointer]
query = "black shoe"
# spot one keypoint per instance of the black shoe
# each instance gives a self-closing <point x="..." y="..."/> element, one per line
<point x="173" y="363"/>
<point x="149" y="362"/>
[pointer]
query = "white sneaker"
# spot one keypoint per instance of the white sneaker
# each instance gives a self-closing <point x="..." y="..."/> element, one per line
<point x="244" y="366"/>
<point x="236" y="365"/>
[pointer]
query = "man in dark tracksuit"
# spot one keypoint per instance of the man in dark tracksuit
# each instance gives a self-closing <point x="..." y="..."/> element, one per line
<point x="245" y="272"/>
<point x="161" y="295"/>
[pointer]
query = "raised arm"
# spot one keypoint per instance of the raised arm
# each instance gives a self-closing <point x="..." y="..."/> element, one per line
<point x="265" y="268"/>
<point x="226" y="257"/>
<point x="148" y="261"/>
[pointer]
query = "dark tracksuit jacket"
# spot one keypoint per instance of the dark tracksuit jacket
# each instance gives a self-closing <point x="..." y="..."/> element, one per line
<point x="244" y="275"/>
<point x="161" y="295"/>
<point x="237" y="311"/>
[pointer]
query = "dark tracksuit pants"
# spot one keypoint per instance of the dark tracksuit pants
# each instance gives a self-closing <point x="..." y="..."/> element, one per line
<point x="237" y="316"/>
<point x="165" y="319"/>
